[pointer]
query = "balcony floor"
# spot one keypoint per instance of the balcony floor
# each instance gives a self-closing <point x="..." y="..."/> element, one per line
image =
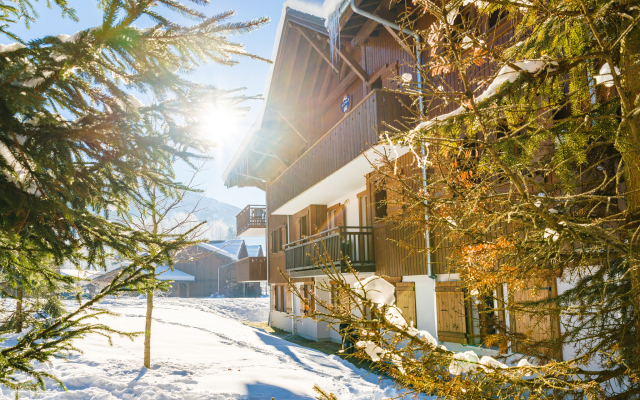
<point x="254" y="232"/>
<point x="347" y="179"/>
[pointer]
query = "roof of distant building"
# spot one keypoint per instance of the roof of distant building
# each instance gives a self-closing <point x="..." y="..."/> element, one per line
<point x="255" y="250"/>
<point x="163" y="273"/>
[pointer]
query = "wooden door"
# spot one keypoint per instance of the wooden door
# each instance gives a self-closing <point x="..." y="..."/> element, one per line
<point x="406" y="301"/>
<point x="536" y="327"/>
<point x="451" y="312"/>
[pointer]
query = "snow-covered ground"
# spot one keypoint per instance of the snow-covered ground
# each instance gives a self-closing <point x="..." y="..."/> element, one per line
<point x="200" y="350"/>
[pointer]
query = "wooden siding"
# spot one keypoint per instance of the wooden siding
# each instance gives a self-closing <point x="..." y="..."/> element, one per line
<point x="277" y="264"/>
<point x="203" y="265"/>
<point x="399" y="250"/>
<point x="251" y="269"/>
<point x="355" y="133"/>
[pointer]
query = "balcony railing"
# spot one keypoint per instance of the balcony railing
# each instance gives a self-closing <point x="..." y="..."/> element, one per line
<point x="352" y="135"/>
<point x="352" y="244"/>
<point x="251" y="269"/>
<point x="252" y="217"/>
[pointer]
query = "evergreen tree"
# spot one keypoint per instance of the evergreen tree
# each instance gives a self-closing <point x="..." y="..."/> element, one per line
<point x="533" y="174"/>
<point x="75" y="144"/>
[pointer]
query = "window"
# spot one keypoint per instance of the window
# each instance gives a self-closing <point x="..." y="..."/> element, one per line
<point x="331" y="218"/>
<point x="280" y="300"/>
<point x="309" y="304"/>
<point x="496" y="17"/>
<point x="363" y="208"/>
<point x="278" y="238"/>
<point x="381" y="204"/>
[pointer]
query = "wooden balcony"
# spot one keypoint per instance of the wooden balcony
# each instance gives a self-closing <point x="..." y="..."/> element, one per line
<point x="357" y="132"/>
<point x="252" y="221"/>
<point x="251" y="269"/>
<point x="352" y="244"/>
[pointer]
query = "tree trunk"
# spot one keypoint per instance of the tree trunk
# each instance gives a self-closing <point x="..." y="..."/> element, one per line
<point x="631" y="158"/>
<point x="147" y="331"/>
<point x="19" y="311"/>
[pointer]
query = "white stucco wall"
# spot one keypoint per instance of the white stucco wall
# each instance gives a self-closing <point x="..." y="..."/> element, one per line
<point x="425" y="303"/>
<point x="281" y="320"/>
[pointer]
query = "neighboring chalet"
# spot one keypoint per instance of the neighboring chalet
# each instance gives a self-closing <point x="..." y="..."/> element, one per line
<point x="217" y="267"/>
<point x="309" y="150"/>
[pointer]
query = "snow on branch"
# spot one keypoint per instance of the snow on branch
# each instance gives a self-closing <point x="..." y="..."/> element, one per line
<point x="506" y="74"/>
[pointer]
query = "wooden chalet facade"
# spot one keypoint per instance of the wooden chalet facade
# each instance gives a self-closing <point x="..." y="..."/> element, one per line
<point x="215" y="267"/>
<point x="310" y="150"/>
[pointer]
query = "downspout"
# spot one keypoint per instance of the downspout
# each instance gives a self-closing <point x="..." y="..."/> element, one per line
<point x="293" y="320"/>
<point x="266" y="245"/>
<point x="416" y="36"/>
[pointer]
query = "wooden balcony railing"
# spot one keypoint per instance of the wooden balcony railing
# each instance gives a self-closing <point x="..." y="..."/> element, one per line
<point x="338" y="245"/>
<point x="251" y="217"/>
<point x="352" y="135"/>
<point x="251" y="269"/>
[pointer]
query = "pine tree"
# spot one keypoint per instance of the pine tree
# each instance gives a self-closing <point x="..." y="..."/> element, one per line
<point x="75" y="145"/>
<point x="533" y="174"/>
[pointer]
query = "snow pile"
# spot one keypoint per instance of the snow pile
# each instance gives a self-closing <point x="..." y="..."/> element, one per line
<point x="382" y="293"/>
<point x="605" y="76"/>
<point x="198" y="354"/>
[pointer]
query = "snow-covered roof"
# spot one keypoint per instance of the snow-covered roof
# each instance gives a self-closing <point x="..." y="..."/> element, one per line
<point x="229" y="248"/>
<point x="81" y="274"/>
<point x="255" y="250"/>
<point x="163" y="273"/>
<point x="315" y="8"/>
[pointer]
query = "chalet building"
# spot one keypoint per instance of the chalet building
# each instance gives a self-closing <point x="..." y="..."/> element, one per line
<point x="215" y="267"/>
<point x="229" y="268"/>
<point x="310" y="151"/>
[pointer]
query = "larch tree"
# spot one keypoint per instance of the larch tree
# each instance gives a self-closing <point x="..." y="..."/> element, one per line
<point x="162" y="213"/>
<point x="532" y="159"/>
<point x="75" y="144"/>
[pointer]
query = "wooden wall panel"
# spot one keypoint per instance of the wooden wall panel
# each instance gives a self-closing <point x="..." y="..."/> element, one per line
<point x="276" y="263"/>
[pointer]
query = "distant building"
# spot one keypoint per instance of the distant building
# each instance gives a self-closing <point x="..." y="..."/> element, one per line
<point x="215" y="266"/>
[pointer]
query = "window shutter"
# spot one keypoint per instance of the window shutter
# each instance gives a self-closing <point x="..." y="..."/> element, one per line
<point x="274" y="297"/>
<point x="283" y="236"/>
<point x="406" y="301"/>
<point x="537" y="327"/>
<point x="451" y="312"/>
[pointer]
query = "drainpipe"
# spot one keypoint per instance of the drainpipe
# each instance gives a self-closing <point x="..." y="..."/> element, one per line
<point x="266" y="245"/>
<point x="416" y="36"/>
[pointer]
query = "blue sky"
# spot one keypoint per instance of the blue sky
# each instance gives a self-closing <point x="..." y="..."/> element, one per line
<point x="248" y="73"/>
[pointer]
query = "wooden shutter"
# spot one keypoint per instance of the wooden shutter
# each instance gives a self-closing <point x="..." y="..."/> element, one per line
<point x="340" y="216"/>
<point x="274" y="297"/>
<point x="406" y="301"/>
<point x="536" y="327"/>
<point x="451" y="312"/>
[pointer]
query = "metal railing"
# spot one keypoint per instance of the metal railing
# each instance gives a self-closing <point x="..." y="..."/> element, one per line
<point x="251" y="217"/>
<point x="338" y="245"/>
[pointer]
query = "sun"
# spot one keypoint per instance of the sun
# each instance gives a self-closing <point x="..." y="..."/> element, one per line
<point x="220" y="123"/>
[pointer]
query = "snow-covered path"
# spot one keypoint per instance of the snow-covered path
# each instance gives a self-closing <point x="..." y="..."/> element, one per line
<point x="201" y="351"/>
